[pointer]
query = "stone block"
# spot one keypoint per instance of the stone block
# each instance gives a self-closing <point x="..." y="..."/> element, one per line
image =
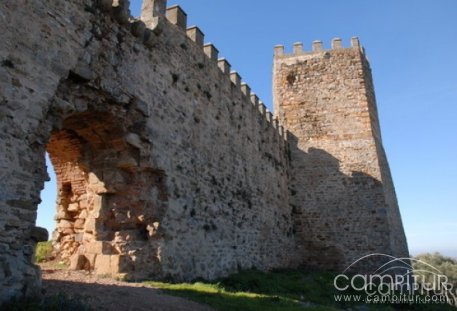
<point x="196" y="35"/>
<point x="298" y="48"/>
<point x="79" y="223"/>
<point x="211" y="51"/>
<point x="67" y="231"/>
<point x="177" y="16"/>
<point x="103" y="264"/>
<point x="317" y="46"/>
<point x="98" y="247"/>
<point x="78" y="262"/>
<point x="279" y="50"/>
<point x="90" y="225"/>
<point x="64" y="224"/>
<point x="336" y="43"/>
<point x="246" y="90"/>
<point x="79" y="237"/>
<point x="224" y="65"/>
<point x="153" y="8"/>
<point x="111" y="264"/>
<point x="235" y="78"/>
<point x="73" y="207"/>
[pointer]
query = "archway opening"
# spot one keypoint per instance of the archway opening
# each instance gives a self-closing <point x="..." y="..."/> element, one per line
<point x="108" y="206"/>
<point x="46" y="213"/>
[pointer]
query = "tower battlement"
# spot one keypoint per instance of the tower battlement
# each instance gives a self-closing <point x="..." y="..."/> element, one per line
<point x="317" y="47"/>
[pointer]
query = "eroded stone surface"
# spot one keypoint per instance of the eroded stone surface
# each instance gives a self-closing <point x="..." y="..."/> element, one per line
<point x="165" y="167"/>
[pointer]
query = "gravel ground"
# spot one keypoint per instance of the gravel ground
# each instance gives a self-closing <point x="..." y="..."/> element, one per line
<point x="109" y="294"/>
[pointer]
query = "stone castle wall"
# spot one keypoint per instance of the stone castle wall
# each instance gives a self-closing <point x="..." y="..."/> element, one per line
<point x="167" y="165"/>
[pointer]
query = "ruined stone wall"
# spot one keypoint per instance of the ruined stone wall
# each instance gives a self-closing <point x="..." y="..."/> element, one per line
<point x="167" y="166"/>
<point x="341" y="190"/>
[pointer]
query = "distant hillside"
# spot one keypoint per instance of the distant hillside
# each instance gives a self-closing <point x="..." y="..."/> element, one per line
<point x="429" y="265"/>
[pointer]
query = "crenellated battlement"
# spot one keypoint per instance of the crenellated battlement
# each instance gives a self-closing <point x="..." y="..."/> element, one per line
<point x="153" y="14"/>
<point x="317" y="47"/>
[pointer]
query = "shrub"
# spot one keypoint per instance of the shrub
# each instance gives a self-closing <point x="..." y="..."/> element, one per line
<point x="443" y="265"/>
<point x="44" y="251"/>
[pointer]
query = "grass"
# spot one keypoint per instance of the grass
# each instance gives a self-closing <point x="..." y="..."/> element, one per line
<point x="289" y="290"/>
<point x="44" y="254"/>
<point x="44" y="251"/>
<point x="254" y="290"/>
<point x="221" y="299"/>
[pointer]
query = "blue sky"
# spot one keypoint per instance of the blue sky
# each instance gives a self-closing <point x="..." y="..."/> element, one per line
<point x="411" y="45"/>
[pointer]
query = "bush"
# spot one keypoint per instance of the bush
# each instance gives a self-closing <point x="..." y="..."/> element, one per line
<point x="440" y="265"/>
<point x="44" y="251"/>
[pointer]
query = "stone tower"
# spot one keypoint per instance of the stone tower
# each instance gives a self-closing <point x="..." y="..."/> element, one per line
<point x="342" y="194"/>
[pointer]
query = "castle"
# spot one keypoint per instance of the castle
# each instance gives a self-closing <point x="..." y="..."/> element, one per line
<point x="167" y="164"/>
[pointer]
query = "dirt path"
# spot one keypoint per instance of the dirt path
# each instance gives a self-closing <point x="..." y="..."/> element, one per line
<point x="112" y="295"/>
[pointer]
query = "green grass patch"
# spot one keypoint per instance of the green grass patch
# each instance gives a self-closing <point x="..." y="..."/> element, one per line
<point x="289" y="290"/>
<point x="44" y="251"/>
<point x="220" y="298"/>
<point x="254" y="290"/>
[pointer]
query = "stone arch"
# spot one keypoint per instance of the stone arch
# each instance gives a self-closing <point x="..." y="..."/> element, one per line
<point x="110" y="200"/>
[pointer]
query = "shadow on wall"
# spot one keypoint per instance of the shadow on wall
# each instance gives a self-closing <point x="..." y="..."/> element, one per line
<point x="337" y="218"/>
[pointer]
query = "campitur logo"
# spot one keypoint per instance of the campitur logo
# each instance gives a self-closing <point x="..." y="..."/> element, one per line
<point x="395" y="281"/>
